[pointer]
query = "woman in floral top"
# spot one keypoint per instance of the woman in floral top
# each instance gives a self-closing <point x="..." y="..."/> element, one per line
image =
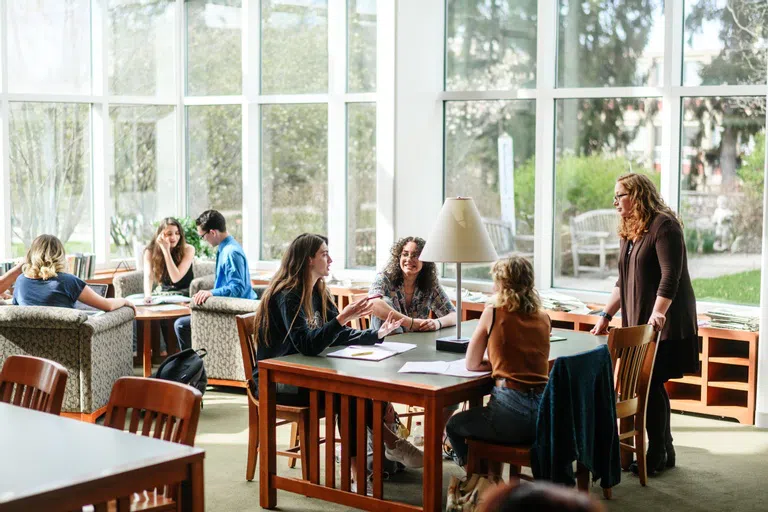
<point x="410" y="289"/>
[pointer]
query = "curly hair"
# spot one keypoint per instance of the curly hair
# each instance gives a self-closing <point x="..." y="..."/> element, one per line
<point x="427" y="278"/>
<point x="647" y="203"/>
<point x="159" y="269"/>
<point x="514" y="279"/>
<point x="46" y="257"/>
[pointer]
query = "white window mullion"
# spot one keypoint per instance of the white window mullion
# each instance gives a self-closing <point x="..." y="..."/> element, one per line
<point x="671" y="107"/>
<point x="546" y="57"/>
<point x="251" y="113"/>
<point x="5" y="141"/>
<point x="180" y="51"/>
<point x="386" y="49"/>
<point x="337" y="133"/>
<point x="102" y="156"/>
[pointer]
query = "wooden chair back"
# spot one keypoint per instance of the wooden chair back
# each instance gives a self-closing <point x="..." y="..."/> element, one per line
<point x="33" y="383"/>
<point x="633" y="352"/>
<point x="362" y="322"/>
<point x="245" y="330"/>
<point x="167" y="410"/>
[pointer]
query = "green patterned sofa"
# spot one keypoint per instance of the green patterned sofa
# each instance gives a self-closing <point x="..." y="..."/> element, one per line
<point x="129" y="283"/>
<point x="96" y="351"/>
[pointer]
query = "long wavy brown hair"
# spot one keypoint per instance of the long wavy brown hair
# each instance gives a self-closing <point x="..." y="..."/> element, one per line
<point x="293" y="274"/>
<point x="159" y="270"/>
<point x="46" y="257"/>
<point x="514" y="278"/>
<point x="427" y="278"/>
<point x="646" y="201"/>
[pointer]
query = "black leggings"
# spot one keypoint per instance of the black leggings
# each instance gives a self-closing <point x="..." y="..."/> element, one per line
<point x="657" y="418"/>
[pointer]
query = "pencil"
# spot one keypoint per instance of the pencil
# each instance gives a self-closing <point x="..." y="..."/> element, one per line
<point x="361" y="354"/>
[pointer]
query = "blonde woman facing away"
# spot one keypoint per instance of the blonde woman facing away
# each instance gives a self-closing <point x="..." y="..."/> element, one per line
<point x="515" y="331"/>
<point x="45" y="282"/>
<point x="168" y="260"/>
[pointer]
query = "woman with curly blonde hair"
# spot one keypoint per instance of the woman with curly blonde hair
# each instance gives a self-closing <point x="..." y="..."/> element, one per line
<point x="515" y="331"/>
<point x="45" y="282"/>
<point x="654" y="288"/>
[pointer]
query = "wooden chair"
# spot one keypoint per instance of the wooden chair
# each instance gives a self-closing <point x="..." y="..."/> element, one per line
<point x="161" y="409"/>
<point x="364" y="322"/>
<point x="298" y="417"/>
<point x="38" y="383"/>
<point x="633" y="352"/>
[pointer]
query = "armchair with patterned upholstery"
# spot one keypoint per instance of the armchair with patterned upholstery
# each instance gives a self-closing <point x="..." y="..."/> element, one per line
<point x="95" y="350"/>
<point x="129" y="283"/>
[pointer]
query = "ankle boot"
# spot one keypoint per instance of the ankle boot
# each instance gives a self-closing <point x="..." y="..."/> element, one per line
<point x="655" y="462"/>
<point x="670" y="455"/>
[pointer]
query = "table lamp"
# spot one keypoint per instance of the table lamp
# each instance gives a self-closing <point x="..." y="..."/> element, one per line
<point x="458" y="236"/>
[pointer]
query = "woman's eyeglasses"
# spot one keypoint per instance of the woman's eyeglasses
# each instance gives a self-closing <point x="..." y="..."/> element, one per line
<point x="619" y="196"/>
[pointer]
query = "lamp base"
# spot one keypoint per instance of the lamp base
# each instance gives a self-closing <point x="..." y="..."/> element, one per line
<point x="452" y="344"/>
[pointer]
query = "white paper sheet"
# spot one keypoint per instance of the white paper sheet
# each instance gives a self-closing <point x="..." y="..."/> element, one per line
<point x="453" y="368"/>
<point x="137" y="299"/>
<point x="365" y="353"/>
<point x="165" y="307"/>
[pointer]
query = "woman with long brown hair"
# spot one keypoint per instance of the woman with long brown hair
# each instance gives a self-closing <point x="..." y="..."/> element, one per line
<point x="515" y="331"/>
<point x="654" y="288"/>
<point x="297" y="314"/>
<point x="168" y="260"/>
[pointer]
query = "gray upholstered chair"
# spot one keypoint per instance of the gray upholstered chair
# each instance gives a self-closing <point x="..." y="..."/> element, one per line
<point x="129" y="283"/>
<point x="95" y="350"/>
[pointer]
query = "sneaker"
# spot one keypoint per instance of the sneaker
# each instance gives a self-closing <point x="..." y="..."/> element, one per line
<point x="368" y="486"/>
<point x="406" y="453"/>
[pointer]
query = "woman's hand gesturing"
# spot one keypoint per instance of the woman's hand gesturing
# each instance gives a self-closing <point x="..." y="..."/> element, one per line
<point x="389" y="325"/>
<point x="355" y="310"/>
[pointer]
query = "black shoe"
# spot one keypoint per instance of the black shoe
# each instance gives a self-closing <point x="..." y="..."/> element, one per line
<point x="670" y="455"/>
<point x="654" y="464"/>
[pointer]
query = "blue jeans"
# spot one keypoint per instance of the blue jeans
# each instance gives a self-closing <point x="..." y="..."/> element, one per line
<point x="509" y="418"/>
<point x="183" y="331"/>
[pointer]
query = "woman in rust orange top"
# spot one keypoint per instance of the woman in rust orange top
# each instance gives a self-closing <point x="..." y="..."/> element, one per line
<point x="515" y="331"/>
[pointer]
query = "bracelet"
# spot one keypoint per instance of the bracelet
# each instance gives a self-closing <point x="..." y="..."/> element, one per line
<point x="439" y="324"/>
<point x="605" y="315"/>
<point x="411" y="327"/>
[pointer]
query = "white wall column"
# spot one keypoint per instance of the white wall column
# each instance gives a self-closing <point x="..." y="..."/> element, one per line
<point x="251" y="116"/>
<point x="5" y="143"/>
<point x="102" y="156"/>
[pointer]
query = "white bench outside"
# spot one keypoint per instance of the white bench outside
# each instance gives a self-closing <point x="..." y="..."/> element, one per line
<point x="503" y="238"/>
<point x="595" y="233"/>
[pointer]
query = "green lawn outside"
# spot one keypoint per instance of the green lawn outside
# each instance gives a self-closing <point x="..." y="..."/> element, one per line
<point x="18" y="250"/>
<point x="742" y="288"/>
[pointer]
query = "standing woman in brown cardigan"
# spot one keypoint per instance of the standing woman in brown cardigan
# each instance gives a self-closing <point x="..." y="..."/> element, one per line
<point x="654" y="288"/>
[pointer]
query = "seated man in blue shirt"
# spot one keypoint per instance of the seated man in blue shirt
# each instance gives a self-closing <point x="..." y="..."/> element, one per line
<point x="233" y="279"/>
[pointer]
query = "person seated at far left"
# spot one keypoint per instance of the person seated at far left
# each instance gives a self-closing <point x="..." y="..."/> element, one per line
<point x="45" y="283"/>
<point x="7" y="279"/>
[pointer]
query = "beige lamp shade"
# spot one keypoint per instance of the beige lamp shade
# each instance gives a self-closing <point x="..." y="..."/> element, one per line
<point x="459" y="235"/>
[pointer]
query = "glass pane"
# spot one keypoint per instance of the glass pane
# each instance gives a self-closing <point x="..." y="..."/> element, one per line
<point x="143" y="187"/>
<point x="214" y="47"/>
<point x="596" y="141"/>
<point x="294" y="175"/>
<point x="721" y="195"/>
<point x="361" y="185"/>
<point x="489" y="156"/>
<point x="610" y="43"/>
<point x="37" y="60"/>
<point x="141" y="47"/>
<point x="214" y="149"/>
<point x="50" y="174"/>
<point x="726" y="42"/>
<point x="361" y="45"/>
<point x="490" y="45"/>
<point x="294" y="46"/>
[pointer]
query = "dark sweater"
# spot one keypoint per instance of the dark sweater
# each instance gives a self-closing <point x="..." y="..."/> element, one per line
<point x="306" y="339"/>
<point x="577" y="421"/>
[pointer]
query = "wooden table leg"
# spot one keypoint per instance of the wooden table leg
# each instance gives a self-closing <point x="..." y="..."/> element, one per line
<point x="268" y="440"/>
<point x="193" y="492"/>
<point x="147" y="356"/>
<point x="432" y="493"/>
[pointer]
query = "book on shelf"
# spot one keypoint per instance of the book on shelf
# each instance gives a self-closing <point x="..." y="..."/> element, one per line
<point x="82" y="265"/>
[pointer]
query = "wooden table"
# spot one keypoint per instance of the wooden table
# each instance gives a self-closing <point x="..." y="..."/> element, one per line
<point x="334" y="381"/>
<point x="145" y="317"/>
<point x="58" y="464"/>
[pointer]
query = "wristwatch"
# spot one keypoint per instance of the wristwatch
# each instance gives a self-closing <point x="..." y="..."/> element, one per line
<point x="605" y="315"/>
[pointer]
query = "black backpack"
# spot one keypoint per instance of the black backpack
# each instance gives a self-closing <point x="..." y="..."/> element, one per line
<point x="186" y="367"/>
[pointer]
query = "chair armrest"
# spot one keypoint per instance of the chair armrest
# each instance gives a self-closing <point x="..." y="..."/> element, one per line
<point x="111" y="319"/>
<point x="128" y="283"/>
<point x="41" y="317"/>
<point x="201" y="283"/>
<point x="226" y="305"/>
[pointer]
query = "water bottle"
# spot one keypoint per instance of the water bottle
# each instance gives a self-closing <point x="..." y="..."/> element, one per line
<point x="418" y="434"/>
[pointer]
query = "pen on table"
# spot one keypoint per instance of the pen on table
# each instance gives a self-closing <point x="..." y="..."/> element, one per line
<point x="361" y="354"/>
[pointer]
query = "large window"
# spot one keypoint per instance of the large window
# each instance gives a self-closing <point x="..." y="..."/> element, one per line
<point x="721" y="197"/>
<point x="361" y="185"/>
<point x="213" y="47"/>
<point x="50" y="174"/>
<point x="294" y="176"/>
<point x="361" y="46"/>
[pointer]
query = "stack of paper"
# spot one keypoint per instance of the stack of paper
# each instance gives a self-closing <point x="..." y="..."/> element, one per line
<point x="724" y="318"/>
<point x="137" y="299"/>
<point x="561" y="302"/>
<point x="456" y="368"/>
<point x="466" y="295"/>
<point x="373" y="352"/>
<point x="166" y="307"/>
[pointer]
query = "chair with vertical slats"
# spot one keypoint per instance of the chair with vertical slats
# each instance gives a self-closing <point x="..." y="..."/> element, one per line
<point x="33" y="383"/>
<point x="155" y="408"/>
<point x="364" y="322"/>
<point x="633" y="352"/>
